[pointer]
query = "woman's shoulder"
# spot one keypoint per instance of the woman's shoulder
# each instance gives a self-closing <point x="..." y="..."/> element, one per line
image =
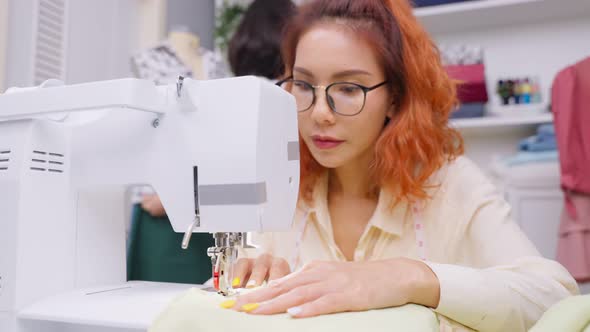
<point x="459" y="191"/>
<point x="461" y="180"/>
<point x="462" y="167"/>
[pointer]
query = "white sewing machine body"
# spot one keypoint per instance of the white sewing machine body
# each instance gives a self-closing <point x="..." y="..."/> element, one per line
<point x="62" y="258"/>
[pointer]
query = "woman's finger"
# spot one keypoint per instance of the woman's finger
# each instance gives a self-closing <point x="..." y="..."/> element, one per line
<point x="294" y="298"/>
<point x="256" y="297"/>
<point x="327" y="304"/>
<point x="276" y="288"/>
<point x="241" y="270"/>
<point x="278" y="269"/>
<point x="259" y="270"/>
<point x="296" y="279"/>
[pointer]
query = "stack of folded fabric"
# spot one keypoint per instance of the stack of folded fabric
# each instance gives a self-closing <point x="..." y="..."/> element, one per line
<point x="539" y="148"/>
<point x="544" y="140"/>
<point x="465" y="65"/>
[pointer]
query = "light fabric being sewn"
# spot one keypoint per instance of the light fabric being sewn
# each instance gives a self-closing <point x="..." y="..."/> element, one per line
<point x="197" y="310"/>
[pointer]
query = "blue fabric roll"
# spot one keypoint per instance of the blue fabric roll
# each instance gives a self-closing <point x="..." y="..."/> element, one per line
<point x="546" y="130"/>
<point x="538" y="144"/>
<point x="532" y="157"/>
<point x="544" y="140"/>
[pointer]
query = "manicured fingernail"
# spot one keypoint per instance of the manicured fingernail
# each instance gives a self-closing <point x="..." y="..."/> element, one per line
<point x="250" y="306"/>
<point x="236" y="282"/>
<point x="227" y="304"/>
<point x="251" y="284"/>
<point x="294" y="311"/>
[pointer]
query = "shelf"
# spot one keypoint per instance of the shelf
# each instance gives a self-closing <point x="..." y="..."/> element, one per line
<point x="502" y="121"/>
<point x="469" y="15"/>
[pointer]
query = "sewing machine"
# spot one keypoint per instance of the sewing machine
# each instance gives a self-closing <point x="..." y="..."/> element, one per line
<point x="222" y="155"/>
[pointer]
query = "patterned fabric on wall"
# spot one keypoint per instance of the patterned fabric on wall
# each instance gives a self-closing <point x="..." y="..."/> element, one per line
<point x="161" y="65"/>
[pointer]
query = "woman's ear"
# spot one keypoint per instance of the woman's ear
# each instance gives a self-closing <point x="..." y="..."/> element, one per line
<point x="391" y="110"/>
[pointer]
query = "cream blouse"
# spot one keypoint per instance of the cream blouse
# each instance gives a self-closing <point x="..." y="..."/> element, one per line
<point x="491" y="276"/>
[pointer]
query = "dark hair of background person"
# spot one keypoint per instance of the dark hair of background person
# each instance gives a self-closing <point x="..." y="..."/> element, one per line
<point x="255" y="48"/>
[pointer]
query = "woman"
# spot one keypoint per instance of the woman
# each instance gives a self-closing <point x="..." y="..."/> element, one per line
<point x="255" y="47"/>
<point x="390" y="213"/>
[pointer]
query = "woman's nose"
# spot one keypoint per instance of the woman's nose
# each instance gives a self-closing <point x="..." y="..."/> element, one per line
<point x="321" y="112"/>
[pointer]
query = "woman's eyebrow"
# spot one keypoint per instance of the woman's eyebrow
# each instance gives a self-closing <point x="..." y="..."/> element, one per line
<point x="351" y="72"/>
<point x="342" y="74"/>
<point x="303" y="71"/>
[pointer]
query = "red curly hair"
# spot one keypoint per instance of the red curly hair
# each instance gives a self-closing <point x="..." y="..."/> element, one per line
<point x="418" y="140"/>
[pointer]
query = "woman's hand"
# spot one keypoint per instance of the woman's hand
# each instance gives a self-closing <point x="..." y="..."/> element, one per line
<point x="330" y="287"/>
<point x="153" y="205"/>
<point x="250" y="272"/>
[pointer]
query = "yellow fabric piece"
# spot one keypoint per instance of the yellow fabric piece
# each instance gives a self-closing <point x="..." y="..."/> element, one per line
<point x="569" y="315"/>
<point x="197" y="310"/>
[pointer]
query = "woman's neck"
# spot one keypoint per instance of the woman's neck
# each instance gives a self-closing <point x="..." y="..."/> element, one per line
<point x="352" y="180"/>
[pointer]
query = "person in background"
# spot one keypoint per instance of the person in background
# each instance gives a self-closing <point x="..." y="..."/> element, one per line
<point x="152" y="204"/>
<point x="390" y="212"/>
<point x="255" y="48"/>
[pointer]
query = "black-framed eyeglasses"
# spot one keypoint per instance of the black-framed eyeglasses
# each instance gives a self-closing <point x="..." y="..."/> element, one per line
<point x="344" y="98"/>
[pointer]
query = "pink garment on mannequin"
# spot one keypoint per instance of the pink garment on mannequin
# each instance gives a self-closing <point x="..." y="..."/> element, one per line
<point x="571" y="107"/>
<point x="573" y="249"/>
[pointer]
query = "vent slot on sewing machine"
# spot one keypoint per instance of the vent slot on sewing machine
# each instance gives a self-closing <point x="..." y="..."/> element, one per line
<point x="4" y="159"/>
<point x="51" y="162"/>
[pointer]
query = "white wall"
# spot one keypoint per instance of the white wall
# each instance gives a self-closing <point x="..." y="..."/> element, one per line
<point x="196" y="15"/>
<point x="3" y="35"/>
<point x="19" y="46"/>
<point x="102" y="37"/>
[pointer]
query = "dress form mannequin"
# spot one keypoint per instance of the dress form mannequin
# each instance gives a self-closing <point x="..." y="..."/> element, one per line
<point x="187" y="48"/>
<point x="179" y="55"/>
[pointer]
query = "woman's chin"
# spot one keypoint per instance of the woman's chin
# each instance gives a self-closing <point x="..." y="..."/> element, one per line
<point x="328" y="161"/>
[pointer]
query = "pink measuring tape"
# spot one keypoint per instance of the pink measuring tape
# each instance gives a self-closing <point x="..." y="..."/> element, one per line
<point x="417" y="209"/>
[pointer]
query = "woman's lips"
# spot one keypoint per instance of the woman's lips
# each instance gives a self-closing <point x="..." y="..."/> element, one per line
<point x="323" y="142"/>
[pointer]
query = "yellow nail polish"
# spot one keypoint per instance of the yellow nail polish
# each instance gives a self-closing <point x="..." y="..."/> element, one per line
<point x="236" y="282"/>
<point x="250" y="307"/>
<point x="227" y="304"/>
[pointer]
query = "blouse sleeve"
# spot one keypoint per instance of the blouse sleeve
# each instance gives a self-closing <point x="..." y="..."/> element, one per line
<point x="501" y="282"/>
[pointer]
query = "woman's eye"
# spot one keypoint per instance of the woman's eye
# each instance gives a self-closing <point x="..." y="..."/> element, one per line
<point x="349" y="89"/>
<point x="301" y="85"/>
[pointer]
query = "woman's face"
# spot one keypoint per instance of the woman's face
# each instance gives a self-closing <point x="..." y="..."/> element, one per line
<point x="328" y="53"/>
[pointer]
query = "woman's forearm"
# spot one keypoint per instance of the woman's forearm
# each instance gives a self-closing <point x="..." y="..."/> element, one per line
<point x="421" y="282"/>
